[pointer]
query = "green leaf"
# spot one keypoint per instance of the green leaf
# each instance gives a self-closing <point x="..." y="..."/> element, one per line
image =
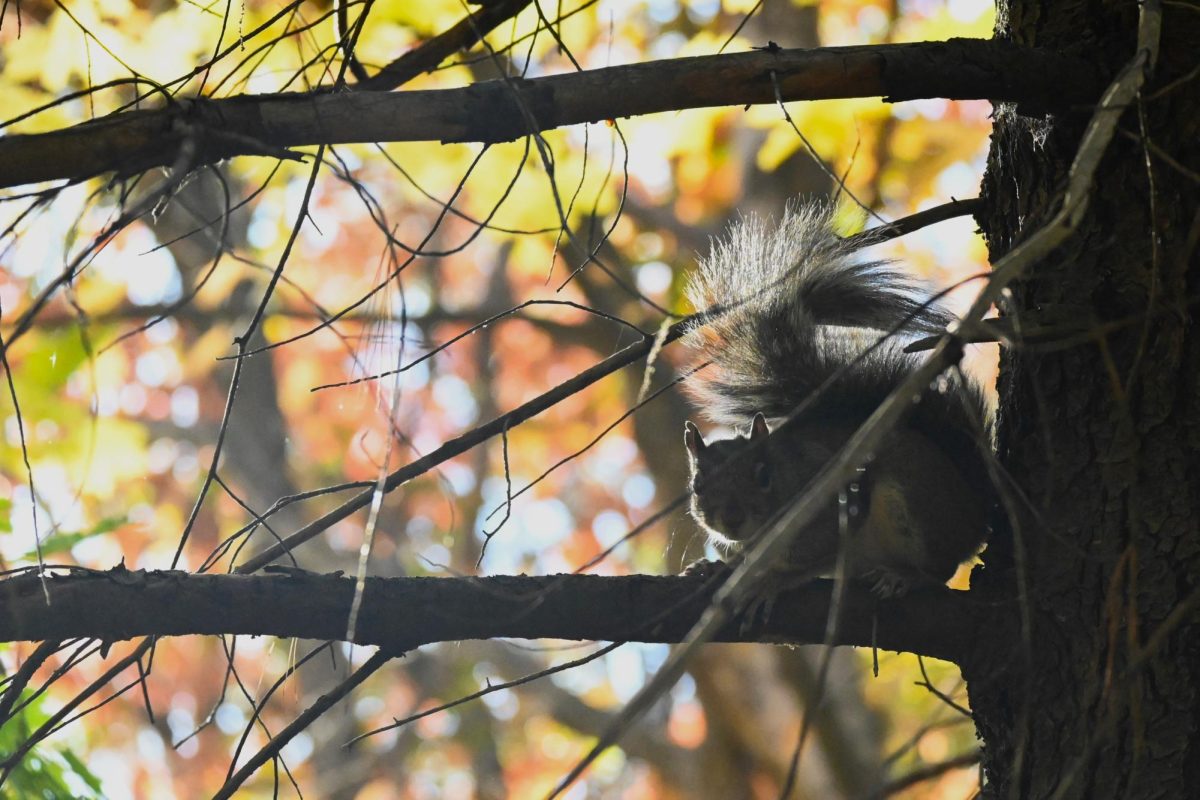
<point x="80" y="770"/>
<point x="63" y="542"/>
<point x="44" y="772"/>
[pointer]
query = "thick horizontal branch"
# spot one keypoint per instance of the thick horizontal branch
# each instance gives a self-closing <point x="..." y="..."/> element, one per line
<point x="501" y="110"/>
<point x="402" y="613"/>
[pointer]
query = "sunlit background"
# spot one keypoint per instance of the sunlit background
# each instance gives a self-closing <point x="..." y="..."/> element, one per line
<point x="119" y="420"/>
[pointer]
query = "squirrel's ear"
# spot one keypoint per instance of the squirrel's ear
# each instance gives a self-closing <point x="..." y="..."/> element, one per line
<point x="758" y="428"/>
<point x="692" y="439"/>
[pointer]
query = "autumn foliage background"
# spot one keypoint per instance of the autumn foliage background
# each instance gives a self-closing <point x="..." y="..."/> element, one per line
<point x="120" y="406"/>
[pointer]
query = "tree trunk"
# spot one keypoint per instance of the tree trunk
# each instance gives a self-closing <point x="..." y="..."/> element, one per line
<point x="1094" y="693"/>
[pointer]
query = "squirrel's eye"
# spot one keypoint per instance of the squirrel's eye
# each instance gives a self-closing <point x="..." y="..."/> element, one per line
<point x="762" y="475"/>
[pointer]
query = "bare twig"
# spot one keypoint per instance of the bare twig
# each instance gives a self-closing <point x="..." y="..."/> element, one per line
<point x="491" y="687"/>
<point x="301" y="722"/>
<point x="929" y="772"/>
<point x="20" y="679"/>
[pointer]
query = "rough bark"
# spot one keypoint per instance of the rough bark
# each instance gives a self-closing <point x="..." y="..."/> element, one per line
<point x="402" y="613"/>
<point x="502" y="110"/>
<point x="1097" y="695"/>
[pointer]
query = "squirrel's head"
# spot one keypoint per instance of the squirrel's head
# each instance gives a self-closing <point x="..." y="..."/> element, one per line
<point x="732" y="482"/>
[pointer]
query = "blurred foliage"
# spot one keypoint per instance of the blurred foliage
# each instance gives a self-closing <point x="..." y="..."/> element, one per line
<point x="119" y="420"/>
<point x="51" y="772"/>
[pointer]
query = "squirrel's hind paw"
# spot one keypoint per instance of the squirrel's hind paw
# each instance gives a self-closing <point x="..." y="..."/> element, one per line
<point x="887" y="583"/>
<point x="756" y="609"/>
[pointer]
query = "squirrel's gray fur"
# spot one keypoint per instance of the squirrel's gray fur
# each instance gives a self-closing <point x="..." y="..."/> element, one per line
<point x="794" y="335"/>
<point x="786" y="293"/>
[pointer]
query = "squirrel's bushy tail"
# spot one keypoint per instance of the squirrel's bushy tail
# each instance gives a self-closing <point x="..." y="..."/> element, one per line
<point x="787" y="298"/>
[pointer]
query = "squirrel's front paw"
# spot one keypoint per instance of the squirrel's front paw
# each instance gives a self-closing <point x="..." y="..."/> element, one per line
<point x="707" y="568"/>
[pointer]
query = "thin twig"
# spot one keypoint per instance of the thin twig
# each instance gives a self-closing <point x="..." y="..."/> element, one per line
<point x="928" y="772"/>
<point x="491" y="687"/>
<point x="20" y="679"/>
<point x="301" y="722"/>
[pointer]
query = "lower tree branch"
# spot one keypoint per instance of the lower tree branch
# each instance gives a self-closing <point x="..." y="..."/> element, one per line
<point x="402" y="613"/>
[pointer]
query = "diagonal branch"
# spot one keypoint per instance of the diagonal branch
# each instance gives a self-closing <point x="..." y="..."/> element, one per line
<point x="461" y="36"/>
<point x="20" y="679"/>
<point x="403" y="613"/>
<point x="502" y="110"/>
<point x="301" y="723"/>
<point x="531" y="408"/>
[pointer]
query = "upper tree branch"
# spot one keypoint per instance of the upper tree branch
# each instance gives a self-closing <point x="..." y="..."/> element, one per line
<point x="402" y="613"/>
<point x="502" y="110"/>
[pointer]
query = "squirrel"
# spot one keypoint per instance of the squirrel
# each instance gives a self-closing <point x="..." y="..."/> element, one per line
<point x="803" y="348"/>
